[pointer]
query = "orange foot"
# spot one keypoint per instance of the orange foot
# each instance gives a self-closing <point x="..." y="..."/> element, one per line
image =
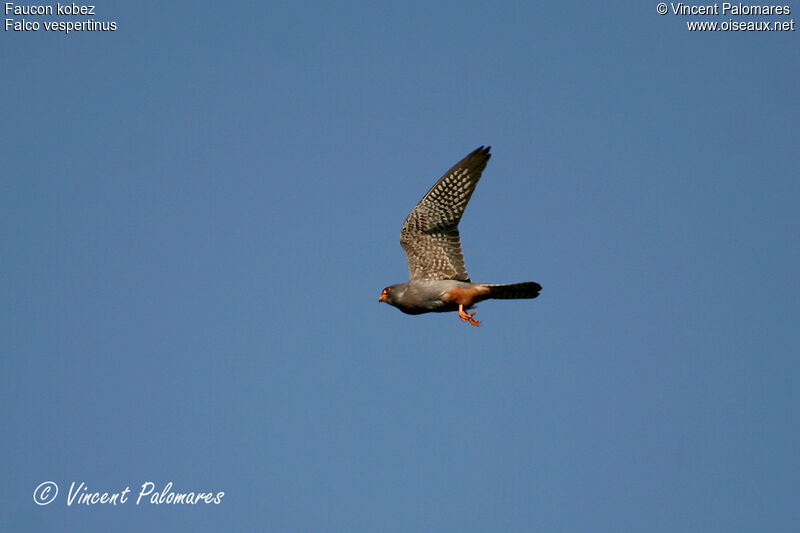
<point x="467" y="317"/>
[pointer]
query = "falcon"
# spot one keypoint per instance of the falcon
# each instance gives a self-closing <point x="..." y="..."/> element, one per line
<point x="438" y="279"/>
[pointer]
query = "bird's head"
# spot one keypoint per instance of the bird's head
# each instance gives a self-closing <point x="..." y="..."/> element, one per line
<point x="385" y="295"/>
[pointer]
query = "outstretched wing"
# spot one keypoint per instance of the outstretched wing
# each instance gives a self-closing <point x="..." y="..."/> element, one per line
<point x="430" y="234"/>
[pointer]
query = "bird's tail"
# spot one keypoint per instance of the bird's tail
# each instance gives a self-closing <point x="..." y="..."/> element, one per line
<point x="513" y="291"/>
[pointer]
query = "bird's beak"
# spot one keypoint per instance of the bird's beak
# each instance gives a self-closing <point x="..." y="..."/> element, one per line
<point x="382" y="298"/>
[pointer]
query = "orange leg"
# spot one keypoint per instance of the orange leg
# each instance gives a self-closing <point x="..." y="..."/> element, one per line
<point x="467" y="317"/>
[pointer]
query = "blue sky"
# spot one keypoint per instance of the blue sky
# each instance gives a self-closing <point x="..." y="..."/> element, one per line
<point x="200" y="209"/>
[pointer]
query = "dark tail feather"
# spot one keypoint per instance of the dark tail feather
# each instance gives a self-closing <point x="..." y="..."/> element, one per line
<point x="514" y="291"/>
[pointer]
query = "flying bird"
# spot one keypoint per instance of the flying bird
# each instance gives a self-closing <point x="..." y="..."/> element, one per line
<point x="438" y="279"/>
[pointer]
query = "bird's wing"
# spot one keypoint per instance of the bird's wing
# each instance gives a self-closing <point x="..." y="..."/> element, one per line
<point x="430" y="234"/>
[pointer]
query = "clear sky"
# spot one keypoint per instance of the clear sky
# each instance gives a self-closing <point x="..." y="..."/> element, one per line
<point x="198" y="212"/>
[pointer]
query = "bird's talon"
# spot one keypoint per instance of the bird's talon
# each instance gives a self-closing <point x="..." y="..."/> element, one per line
<point x="468" y="317"/>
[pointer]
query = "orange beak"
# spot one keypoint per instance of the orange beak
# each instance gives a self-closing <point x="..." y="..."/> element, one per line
<point x="383" y="297"/>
